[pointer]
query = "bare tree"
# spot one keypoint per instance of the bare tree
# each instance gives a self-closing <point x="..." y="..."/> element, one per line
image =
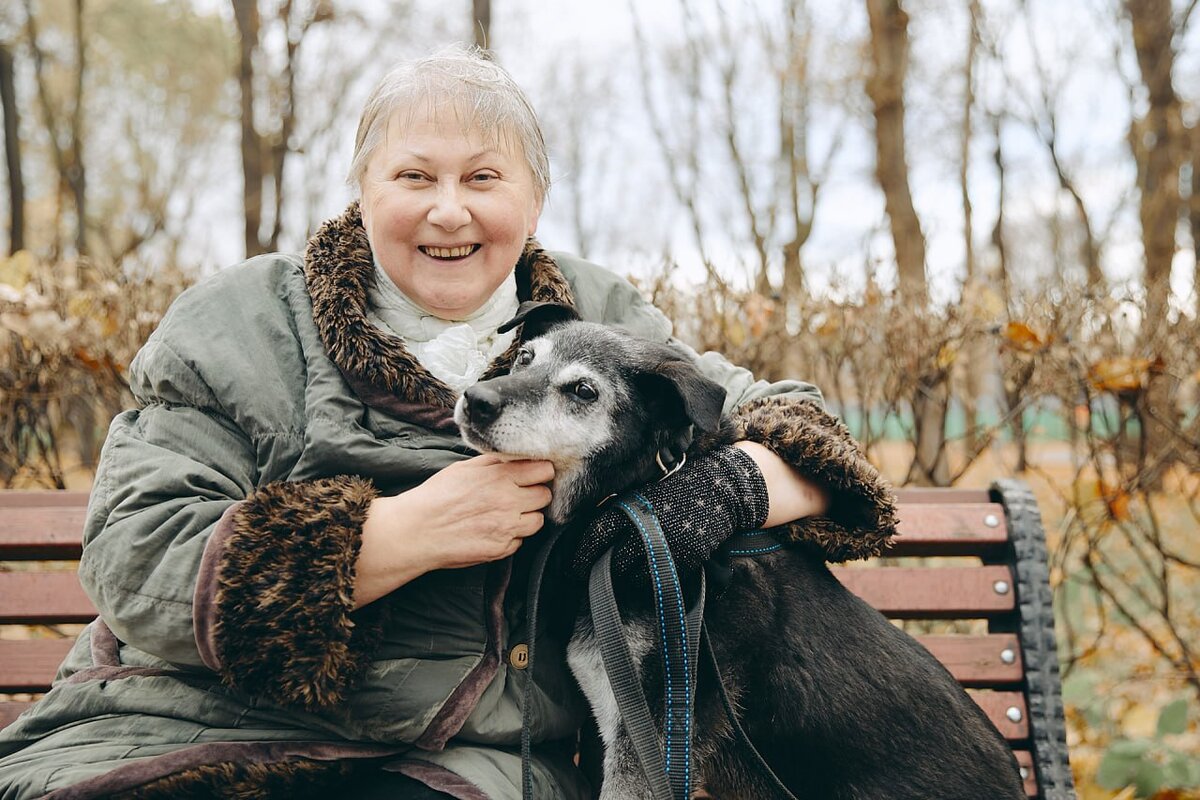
<point x="966" y="134"/>
<point x="1158" y="144"/>
<point x="1194" y="215"/>
<point x="68" y="156"/>
<point x="245" y="13"/>
<point x="481" y="23"/>
<point x="1044" y="119"/>
<point x="680" y="156"/>
<point x="12" y="150"/>
<point x="764" y="150"/>
<point x="265" y="153"/>
<point x="885" y="87"/>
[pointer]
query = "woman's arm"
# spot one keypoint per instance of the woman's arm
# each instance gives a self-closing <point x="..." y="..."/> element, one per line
<point x="792" y="496"/>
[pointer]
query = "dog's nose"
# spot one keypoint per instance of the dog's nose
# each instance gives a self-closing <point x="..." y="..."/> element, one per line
<point x="482" y="404"/>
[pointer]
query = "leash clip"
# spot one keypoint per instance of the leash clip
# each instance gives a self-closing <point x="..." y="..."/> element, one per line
<point x="668" y="472"/>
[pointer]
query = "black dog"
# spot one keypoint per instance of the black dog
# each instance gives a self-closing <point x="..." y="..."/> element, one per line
<point x="841" y="703"/>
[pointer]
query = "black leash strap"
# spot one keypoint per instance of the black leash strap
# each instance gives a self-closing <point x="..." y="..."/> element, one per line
<point x="667" y="767"/>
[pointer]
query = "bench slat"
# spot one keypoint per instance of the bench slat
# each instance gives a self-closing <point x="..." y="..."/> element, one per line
<point x="30" y="664"/>
<point x="42" y="533"/>
<point x="978" y="661"/>
<point x="938" y="495"/>
<point x="932" y="593"/>
<point x="997" y="706"/>
<point x="949" y="529"/>
<point x="52" y="497"/>
<point x="43" y="598"/>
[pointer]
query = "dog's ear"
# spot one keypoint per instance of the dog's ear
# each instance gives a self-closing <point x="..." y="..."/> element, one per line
<point x="539" y="318"/>
<point x="673" y="378"/>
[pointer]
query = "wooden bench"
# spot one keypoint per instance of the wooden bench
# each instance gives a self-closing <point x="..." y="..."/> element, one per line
<point x="973" y="556"/>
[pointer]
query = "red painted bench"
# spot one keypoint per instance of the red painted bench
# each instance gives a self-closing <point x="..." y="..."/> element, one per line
<point x="974" y="556"/>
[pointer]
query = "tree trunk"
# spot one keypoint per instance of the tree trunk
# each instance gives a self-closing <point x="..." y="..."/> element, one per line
<point x="1194" y="215"/>
<point x="885" y="87"/>
<point x="76" y="174"/>
<point x="68" y="161"/>
<point x="964" y="153"/>
<point x="245" y="13"/>
<point x="1158" y="147"/>
<point x="12" y="151"/>
<point x="980" y="363"/>
<point x="481" y="22"/>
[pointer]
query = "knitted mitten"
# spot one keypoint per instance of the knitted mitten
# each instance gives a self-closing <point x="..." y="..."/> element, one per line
<point x="699" y="507"/>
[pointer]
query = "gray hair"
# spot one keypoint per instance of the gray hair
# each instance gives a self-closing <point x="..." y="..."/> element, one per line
<point x="482" y="95"/>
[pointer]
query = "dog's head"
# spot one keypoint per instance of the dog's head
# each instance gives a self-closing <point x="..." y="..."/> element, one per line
<point x="597" y="402"/>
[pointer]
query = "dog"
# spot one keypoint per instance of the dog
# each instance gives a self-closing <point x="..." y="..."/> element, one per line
<point x="839" y="702"/>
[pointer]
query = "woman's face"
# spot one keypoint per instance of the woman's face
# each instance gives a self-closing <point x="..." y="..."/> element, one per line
<point x="447" y="212"/>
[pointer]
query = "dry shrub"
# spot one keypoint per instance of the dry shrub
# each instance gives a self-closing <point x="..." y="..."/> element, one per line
<point x="1119" y="485"/>
<point x="68" y="331"/>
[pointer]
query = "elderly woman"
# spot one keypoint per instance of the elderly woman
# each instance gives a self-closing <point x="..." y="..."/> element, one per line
<point x="304" y="577"/>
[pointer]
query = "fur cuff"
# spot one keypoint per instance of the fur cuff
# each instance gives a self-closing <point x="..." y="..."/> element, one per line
<point x="285" y="627"/>
<point x="862" y="509"/>
<point x="246" y="781"/>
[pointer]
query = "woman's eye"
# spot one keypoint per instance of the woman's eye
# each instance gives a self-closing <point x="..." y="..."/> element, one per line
<point x="524" y="358"/>
<point x="584" y="391"/>
<point x="483" y="177"/>
<point x="410" y="176"/>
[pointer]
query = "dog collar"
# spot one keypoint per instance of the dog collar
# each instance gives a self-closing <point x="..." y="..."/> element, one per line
<point x="753" y="543"/>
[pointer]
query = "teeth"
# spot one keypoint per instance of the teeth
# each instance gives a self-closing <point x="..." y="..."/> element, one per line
<point x="449" y="252"/>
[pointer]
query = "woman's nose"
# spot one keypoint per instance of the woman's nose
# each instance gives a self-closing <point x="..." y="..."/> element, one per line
<point x="449" y="210"/>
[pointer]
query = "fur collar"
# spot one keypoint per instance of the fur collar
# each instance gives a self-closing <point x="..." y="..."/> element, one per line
<point x="339" y="268"/>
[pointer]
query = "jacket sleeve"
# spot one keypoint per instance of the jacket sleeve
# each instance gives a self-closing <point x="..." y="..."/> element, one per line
<point x="790" y="419"/>
<point x="187" y="558"/>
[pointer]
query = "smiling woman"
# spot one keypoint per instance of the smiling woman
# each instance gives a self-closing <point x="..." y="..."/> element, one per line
<point x="306" y="581"/>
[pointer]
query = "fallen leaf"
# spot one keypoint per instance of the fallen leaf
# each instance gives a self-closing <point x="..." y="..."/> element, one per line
<point x="1022" y="337"/>
<point x="1120" y="374"/>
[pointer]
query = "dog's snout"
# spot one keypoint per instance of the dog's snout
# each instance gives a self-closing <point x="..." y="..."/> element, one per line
<point x="482" y="404"/>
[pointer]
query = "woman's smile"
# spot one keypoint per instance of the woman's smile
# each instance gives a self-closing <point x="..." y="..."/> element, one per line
<point x="450" y="253"/>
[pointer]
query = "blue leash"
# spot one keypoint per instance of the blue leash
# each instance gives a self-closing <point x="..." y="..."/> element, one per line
<point x="668" y="768"/>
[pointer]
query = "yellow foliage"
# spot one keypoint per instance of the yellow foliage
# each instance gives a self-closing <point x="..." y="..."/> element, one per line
<point x="1020" y="336"/>
<point x="17" y="269"/>
<point x="946" y="355"/>
<point x="1123" y="373"/>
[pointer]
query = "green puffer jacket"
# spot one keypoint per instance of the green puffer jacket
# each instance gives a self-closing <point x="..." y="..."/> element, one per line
<point x="224" y="526"/>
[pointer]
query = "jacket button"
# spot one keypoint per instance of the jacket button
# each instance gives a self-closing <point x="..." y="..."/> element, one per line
<point x="518" y="657"/>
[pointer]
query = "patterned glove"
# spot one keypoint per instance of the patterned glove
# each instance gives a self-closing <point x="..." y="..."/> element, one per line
<point x="699" y="507"/>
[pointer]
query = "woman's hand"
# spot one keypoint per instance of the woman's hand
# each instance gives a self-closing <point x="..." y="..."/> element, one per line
<point x="472" y="512"/>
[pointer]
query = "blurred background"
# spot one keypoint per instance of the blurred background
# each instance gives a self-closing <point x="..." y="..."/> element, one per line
<point x="974" y="223"/>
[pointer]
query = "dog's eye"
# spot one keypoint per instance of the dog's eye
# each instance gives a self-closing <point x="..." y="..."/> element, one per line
<point x="524" y="358"/>
<point x="584" y="391"/>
